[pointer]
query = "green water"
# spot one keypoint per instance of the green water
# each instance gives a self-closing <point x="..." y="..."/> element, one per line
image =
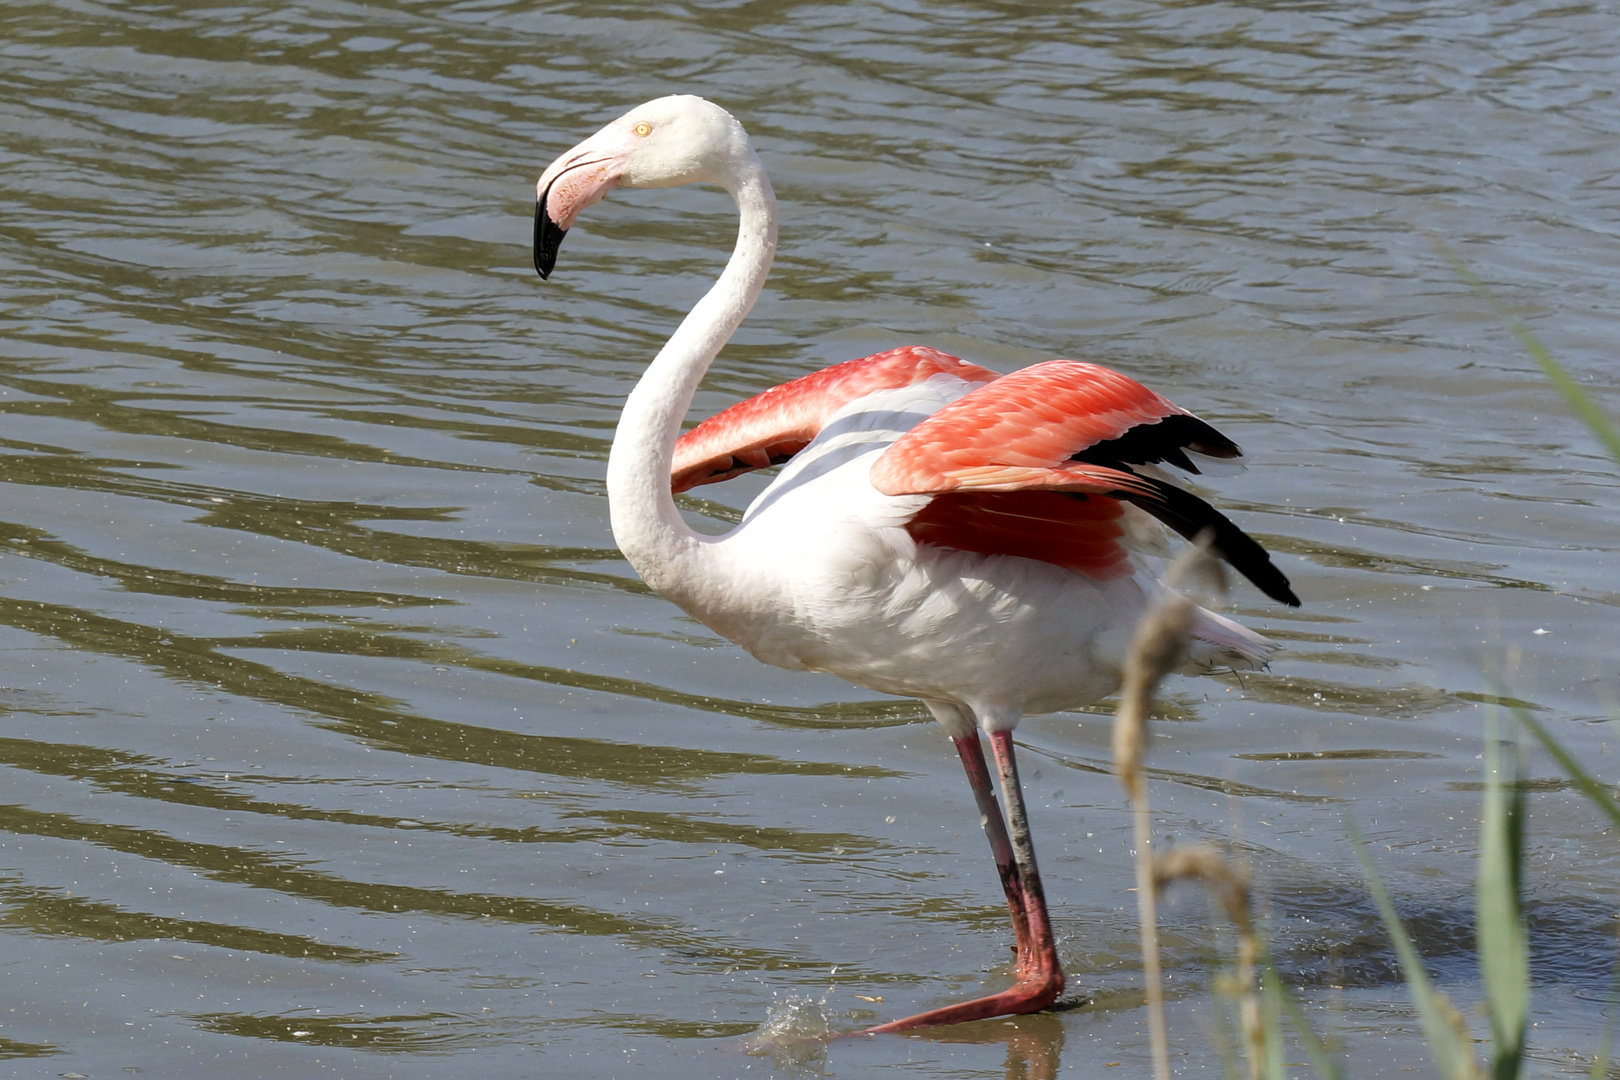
<point x="337" y="738"/>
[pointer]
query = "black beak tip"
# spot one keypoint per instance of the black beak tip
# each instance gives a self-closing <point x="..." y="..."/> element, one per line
<point x="547" y="239"/>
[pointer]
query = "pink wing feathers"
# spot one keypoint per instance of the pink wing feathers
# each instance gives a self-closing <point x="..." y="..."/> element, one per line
<point x="1023" y="433"/>
<point x="769" y="428"/>
<point x="998" y="463"/>
<point x="1083" y="535"/>
<point x="1034" y="464"/>
<point x="1004" y="458"/>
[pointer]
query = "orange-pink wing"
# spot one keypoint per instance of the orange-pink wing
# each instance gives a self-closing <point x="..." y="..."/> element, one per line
<point x="1083" y="535"/>
<point x="1022" y="434"/>
<point x="1039" y="462"/>
<point x="771" y="427"/>
<point x="998" y="462"/>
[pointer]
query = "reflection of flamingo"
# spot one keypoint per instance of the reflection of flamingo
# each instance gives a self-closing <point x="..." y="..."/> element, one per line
<point x="980" y="542"/>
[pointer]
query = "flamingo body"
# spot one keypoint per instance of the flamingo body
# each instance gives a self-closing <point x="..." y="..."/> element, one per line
<point x="984" y="543"/>
<point x="1000" y="599"/>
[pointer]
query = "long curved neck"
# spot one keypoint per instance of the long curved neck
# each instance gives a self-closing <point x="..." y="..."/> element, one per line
<point x="665" y="551"/>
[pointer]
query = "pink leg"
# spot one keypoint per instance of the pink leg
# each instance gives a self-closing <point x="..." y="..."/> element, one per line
<point x="1039" y="962"/>
<point x="972" y="755"/>
<point x="1040" y="977"/>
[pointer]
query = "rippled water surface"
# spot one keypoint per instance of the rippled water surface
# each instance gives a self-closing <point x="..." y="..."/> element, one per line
<point x="338" y="739"/>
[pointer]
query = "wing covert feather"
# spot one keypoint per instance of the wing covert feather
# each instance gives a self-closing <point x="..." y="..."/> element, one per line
<point x="771" y="427"/>
<point x="1022" y="431"/>
<point x="1071" y="431"/>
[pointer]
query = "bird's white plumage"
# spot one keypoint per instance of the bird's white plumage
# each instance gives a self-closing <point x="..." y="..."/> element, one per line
<point x="822" y="575"/>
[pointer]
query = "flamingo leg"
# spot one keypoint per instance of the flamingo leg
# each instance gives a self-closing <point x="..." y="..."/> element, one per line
<point x="1038" y="962"/>
<point x="1039" y="974"/>
<point x="995" y="829"/>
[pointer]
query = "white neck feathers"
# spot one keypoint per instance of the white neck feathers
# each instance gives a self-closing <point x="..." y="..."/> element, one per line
<point x="665" y="551"/>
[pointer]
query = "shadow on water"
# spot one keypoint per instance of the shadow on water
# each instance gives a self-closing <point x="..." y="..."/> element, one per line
<point x="136" y="776"/>
<point x="396" y="1034"/>
<point x="209" y="588"/>
<point x="289" y="877"/>
<point x="11" y="1048"/>
<point x="1104" y="767"/>
<point x="381" y="722"/>
<point x="49" y="911"/>
<point x="1327" y="934"/>
<point x="327" y="525"/>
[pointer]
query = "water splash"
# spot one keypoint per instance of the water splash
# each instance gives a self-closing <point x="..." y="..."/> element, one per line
<point x="794" y="1035"/>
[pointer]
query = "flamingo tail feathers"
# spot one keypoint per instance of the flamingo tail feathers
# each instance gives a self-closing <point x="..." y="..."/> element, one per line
<point x="1191" y="516"/>
<point x="1218" y="642"/>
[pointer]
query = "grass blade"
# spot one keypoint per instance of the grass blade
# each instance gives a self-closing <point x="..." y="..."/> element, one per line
<point x="1580" y="402"/>
<point x="1315" y="1049"/>
<point x="1448" y="1045"/>
<point x="1598" y="794"/>
<point x="1504" y="952"/>
<point x="1595" y="791"/>
<point x="1600" y="1062"/>
<point x="1271" y="1023"/>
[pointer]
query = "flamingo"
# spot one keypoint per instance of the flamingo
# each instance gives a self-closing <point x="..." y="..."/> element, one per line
<point x="984" y="543"/>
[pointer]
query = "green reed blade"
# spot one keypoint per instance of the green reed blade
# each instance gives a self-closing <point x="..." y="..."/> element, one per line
<point x="1594" y="790"/>
<point x="1580" y="402"/>
<point x="1598" y="794"/>
<point x="1504" y="952"/>
<point x="1451" y="1053"/>
<point x="1315" y="1049"/>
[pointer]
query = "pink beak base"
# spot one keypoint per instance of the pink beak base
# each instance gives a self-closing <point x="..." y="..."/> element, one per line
<point x="573" y="182"/>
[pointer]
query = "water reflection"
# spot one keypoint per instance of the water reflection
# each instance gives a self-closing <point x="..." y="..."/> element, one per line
<point x="43" y="911"/>
<point x="1034" y="1043"/>
<point x="356" y="1032"/>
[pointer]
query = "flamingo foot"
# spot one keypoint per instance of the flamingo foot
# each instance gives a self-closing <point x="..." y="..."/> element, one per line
<point x="1033" y="993"/>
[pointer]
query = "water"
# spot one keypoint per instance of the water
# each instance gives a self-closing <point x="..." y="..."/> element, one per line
<point x="339" y="740"/>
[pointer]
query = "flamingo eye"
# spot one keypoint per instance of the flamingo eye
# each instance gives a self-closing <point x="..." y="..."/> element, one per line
<point x="642" y="129"/>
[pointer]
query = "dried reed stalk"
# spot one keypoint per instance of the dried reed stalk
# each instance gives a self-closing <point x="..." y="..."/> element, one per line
<point x="1158" y="648"/>
<point x="1229" y="885"/>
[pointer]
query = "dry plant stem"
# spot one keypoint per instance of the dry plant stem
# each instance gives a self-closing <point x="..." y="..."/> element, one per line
<point x="1158" y="647"/>
<point x="1147" y="907"/>
<point x="1230" y="887"/>
<point x="1039" y="975"/>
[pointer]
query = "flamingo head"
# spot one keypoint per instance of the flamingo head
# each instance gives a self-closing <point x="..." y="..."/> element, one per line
<point x="674" y="140"/>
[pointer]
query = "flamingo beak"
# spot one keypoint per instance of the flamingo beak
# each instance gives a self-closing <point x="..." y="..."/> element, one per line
<point x="548" y="237"/>
<point x="573" y="182"/>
